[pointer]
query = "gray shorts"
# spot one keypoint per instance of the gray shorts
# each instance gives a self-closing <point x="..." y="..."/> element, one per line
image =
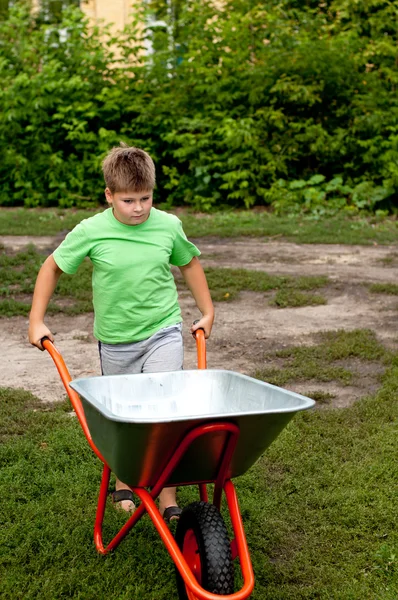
<point x="162" y="352"/>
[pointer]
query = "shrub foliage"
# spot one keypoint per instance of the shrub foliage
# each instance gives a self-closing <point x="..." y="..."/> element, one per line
<point x="284" y="103"/>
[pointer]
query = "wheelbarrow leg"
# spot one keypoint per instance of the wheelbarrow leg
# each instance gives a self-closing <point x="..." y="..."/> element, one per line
<point x="99" y="517"/>
<point x="103" y="494"/>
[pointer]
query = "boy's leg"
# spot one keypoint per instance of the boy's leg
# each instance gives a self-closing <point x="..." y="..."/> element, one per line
<point x="121" y="359"/>
<point x="161" y="352"/>
<point x="118" y="360"/>
<point x="165" y="351"/>
<point x="166" y="354"/>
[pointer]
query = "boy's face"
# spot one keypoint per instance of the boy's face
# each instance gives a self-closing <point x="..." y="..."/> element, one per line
<point x="130" y="208"/>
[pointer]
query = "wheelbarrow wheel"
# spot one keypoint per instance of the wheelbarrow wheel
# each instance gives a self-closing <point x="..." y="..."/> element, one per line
<point x="203" y="540"/>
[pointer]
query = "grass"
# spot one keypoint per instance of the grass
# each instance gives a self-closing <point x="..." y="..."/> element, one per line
<point x="303" y="230"/>
<point x="73" y="295"/>
<point x="320" y="362"/>
<point x="293" y="298"/>
<point x="340" y="229"/>
<point x="225" y="285"/>
<point x="319" y="506"/>
<point x="22" y="221"/>
<point x="18" y="275"/>
<point x="384" y="288"/>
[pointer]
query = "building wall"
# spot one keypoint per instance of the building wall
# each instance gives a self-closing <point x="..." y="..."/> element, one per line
<point x="117" y="12"/>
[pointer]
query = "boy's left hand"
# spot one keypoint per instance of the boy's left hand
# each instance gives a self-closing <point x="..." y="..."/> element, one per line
<point x="205" y="323"/>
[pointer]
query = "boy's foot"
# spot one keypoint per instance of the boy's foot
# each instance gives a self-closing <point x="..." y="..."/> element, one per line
<point x="172" y="513"/>
<point x="123" y="500"/>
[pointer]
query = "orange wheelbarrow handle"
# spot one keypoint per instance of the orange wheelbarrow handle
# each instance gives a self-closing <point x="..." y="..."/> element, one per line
<point x="73" y="396"/>
<point x="199" y="336"/>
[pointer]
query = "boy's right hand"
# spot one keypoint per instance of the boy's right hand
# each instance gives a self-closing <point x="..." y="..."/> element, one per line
<point x="37" y="331"/>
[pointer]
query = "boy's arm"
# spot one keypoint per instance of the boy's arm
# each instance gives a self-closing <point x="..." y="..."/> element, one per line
<point x="196" y="281"/>
<point x="46" y="282"/>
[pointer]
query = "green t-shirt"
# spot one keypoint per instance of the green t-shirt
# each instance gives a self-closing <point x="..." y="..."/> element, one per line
<point x="134" y="293"/>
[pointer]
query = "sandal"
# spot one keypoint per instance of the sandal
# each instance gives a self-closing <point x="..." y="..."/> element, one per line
<point x="172" y="513"/>
<point x="119" y="496"/>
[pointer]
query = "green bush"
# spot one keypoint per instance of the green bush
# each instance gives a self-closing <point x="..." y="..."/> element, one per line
<point x="319" y="197"/>
<point x="279" y="92"/>
<point x="60" y="109"/>
<point x="276" y="103"/>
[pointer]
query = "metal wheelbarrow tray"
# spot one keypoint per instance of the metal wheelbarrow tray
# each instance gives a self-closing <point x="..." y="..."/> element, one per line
<point x="137" y="421"/>
<point x="180" y="428"/>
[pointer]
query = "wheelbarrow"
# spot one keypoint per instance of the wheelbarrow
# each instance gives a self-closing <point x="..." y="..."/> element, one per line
<point x="182" y="428"/>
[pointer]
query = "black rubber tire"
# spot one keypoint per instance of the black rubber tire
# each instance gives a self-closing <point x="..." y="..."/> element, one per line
<point x="214" y="547"/>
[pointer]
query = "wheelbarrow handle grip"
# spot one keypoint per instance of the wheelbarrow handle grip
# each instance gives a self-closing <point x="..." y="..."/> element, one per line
<point x="44" y="339"/>
<point x="199" y="336"/>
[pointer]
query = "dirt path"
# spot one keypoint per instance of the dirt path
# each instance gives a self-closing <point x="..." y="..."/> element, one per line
<point x="346" y="263"/>
<point x="246" y="329"/>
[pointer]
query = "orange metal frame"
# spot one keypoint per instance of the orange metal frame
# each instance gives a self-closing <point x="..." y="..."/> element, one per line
<point x="238" y="544"/>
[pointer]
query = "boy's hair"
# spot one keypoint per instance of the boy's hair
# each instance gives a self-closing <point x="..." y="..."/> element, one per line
<point x="128" y="169"/>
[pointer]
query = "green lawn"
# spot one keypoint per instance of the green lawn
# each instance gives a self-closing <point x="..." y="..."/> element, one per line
<point x="319" y="507"/>
<point x="340" y="229"/>
<point x="321" y="362"/>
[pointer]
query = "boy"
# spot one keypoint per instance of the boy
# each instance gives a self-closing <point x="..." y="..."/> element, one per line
<point x="137" y="316"/>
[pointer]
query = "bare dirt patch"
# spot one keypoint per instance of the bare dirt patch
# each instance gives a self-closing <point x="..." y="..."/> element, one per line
<point x="245" y="330"/>
<point x="348" y="263"/>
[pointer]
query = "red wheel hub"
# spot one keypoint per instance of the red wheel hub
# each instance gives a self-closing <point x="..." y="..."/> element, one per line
<point x="190" y="551"/>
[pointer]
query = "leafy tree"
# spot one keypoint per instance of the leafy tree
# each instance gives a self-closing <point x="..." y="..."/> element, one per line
<point x="282" y="102"/>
